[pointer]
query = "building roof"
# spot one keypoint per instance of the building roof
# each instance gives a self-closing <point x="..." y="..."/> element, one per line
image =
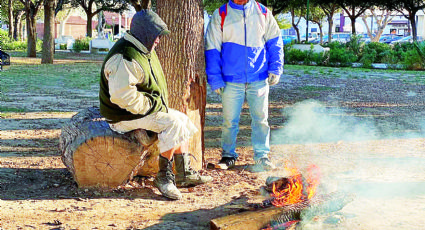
<point x="76" y="20"/>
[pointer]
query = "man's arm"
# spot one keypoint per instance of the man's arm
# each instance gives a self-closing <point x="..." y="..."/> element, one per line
<point x="123" y="75"/>
<point x="213" y="41"/>
<point x="274" y="45"/>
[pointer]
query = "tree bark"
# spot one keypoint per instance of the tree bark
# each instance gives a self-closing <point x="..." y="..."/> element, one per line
<point x="31" y="9"/>
<point x="49" y="32"/>
<point x="17" y="30"/>
<point x="96" y="156"/>
<point x="31" y="35"/>
<point x="89" y="24"/>
<point x="182" y="56"/>
<point x="11" y="22"/>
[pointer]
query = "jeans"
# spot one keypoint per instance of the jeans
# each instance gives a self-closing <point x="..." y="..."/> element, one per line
<point x="257" y="95"/>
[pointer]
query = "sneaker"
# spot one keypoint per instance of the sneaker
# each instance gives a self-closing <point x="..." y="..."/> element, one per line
<point x="262" y="165"/>
<point x="227" y="162"/>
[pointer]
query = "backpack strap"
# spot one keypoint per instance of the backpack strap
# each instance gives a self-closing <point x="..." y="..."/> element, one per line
<point x="223" y="13"/>
<point x="262" y="8"/>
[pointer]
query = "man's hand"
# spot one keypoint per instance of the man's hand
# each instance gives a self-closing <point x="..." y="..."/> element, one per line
<point x="273" y="79"/>
<point x="219" y="91"/>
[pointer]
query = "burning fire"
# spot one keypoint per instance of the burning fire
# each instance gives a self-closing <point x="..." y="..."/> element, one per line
<point x="294" y="191"/>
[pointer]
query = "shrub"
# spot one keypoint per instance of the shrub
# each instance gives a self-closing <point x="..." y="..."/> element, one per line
<point x="81" y="44"/>
<point x="412" y="60"/>
<point x="354" y="44"/>
<point x="380" y="49"/>
<point x="368" y="58"/>
<point x="294" y="56"/>
<point x="341" y="57"/>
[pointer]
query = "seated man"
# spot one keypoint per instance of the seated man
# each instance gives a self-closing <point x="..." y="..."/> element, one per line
<point x="133" y="95"/>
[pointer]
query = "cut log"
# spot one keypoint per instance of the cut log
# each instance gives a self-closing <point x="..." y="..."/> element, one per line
<point x="261" y="218"/>
<point x="97" y="156"/>
<point x="246" y="220"/>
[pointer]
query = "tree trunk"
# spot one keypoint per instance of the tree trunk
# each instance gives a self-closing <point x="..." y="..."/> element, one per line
<point x="96" y="156"/>
<point x="31" y="34"/>
<point x="17" y="27"/>
<point x="182" y="57"/>
<point x="49" y="32"/>
<point x="331" y="24"/>
<point x="353" y="25"/>
<point x="413" y="25"/>
<point x="11" y="22"/>
<point x="89" y="30"/>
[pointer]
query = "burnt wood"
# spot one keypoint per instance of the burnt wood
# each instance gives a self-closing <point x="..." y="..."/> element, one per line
<point x="262" y="217"/>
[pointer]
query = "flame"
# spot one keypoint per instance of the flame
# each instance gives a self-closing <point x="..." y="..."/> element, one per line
<point x="293" y="193"/>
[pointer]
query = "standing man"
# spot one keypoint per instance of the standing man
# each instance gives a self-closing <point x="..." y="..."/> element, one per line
<point x="133" y="95"/>
<point x="244" y="56"/>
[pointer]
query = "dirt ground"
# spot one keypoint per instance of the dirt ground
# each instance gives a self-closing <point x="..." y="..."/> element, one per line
<point x="364" y="133"/>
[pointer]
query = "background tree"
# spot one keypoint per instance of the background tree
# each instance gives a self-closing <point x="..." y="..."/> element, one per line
<point x="140" y="4"/>
<point x="93" y="7"/>
<point x="317" y="15"/>
<point x="296" y="15"/>
<point x="408" y="8"/>
<point x="330" y="8"/>
<point x="276" y="6"/>
<point x="381" y="17"/>
<point x="211" y="5"/>
<point x="49" y="36"/>
<point x="51" y="9"/>
<point x="354" y="9"/>
<point x="31" y="10"/>
<point x="17" y="24"/>
<point x="182" y="56"/>
<point x="10" y="17"/>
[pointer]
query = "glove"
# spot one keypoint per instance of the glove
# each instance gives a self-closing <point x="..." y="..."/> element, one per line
<point x="219" y="91"/>
<point x="273" y="79"/>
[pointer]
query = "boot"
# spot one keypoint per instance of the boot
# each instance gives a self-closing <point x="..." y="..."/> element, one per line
<point x="165" y="180"/>
<point x="185" y="175"/>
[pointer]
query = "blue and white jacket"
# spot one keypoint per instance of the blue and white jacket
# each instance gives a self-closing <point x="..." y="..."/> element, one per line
<point x="246" y="48"/>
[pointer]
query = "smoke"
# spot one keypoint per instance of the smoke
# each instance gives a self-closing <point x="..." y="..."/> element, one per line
<point x="375" y="159"/>
<point x="312" y="122"/>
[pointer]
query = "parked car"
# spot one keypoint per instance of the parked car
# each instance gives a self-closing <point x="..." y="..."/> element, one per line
<point x="288" y="38"/>
<point x="340" y="37"/>
<point x="388" y="38"/>
<point x="312" y="38"/>
<point x="407" y="39"/>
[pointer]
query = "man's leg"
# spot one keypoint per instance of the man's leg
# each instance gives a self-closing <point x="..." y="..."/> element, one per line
<point x="165" y="179"/>
<point x="232" y="100"/>
<point x="185" y="175"/>
<point x="173" y="128"/>
<point x="257" y="97"/>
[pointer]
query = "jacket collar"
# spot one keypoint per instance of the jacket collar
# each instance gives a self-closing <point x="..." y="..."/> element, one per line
<point x="239" y="7"/>
<point x="136" y="42"/>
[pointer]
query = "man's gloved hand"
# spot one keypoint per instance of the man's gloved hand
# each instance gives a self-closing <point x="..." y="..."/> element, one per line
<point x="273" y="79"/>
<point x="219" y="91"/>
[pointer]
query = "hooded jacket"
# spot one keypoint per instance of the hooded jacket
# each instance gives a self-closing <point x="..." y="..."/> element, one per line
<point x="132" y="82"/>
<point x="246" y="48"/>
